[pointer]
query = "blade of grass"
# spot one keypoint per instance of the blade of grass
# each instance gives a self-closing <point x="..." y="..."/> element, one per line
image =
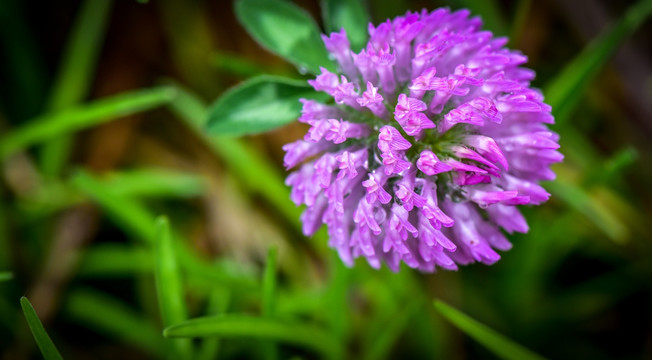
<point x="269" y="298"/>
<point x="80" y="55"/>
<point x="564" y="91"/>
<point x="145" y="182"/>
<point x="54" y="195"/>
<point x="128" y="215"/>
<point x="169" y="288"/>
<point x="56" y="124"/>
<point x="382" y="344"/>
<point x="115" y="319"/>
<point x="614" y="165"/>
<point x="335" y="300"/>
<point x="42" y="338"/>
<point x="269" y="282"/>
<point x="138" y="222"/>
<point x="240" y="66"/>
<point x="492" y="340"/>
<point x="236" y="326"/>
<point x="115" y="260"/>
<point x="589" y="206"/>
<point x="126" y="260"/>
<point x="519" y="21"/>
<point x="6" y="276"/>
<point x="75" y="75"/>
<point x="218" y="303"/>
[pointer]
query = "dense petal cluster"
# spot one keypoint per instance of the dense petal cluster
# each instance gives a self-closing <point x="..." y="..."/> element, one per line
<point x="432" y="139"/>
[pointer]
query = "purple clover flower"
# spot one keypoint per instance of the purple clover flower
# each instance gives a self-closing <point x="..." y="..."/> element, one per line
<point x="432" y="140"/>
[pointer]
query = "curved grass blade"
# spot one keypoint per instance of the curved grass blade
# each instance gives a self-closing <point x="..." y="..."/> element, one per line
<point x="169" y="288"/>
<point x="564" y="92"/>
<point x="236" y="326"/>
<point x="43" y="341"/>
<point x="75" y="74"/>
<point x="350" y="15"/>
<point x="218" y="302"/>
<point x="259" y="104"/>
<point x="51" y="125"/>
<point x="492" y="340"/>
<point x="286" y="30"/>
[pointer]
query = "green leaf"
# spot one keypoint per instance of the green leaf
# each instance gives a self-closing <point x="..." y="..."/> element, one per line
<point x="169" y="288"/>
<point x="67" y="121"/>
<point x="236" y="326"/>
<point x="43" y="341"/>
<point x="350" y="15"/>
<point x="75" y="75"/>
<point x="260" y="104"/>
<point x="114" y="318"/>
<point x="492" y="340"/>
<point x="286" y="30"/>
<point x="564" y="92"/>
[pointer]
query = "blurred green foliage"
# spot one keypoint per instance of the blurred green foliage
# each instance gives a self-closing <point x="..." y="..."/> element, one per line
<point x="118" y="138"/>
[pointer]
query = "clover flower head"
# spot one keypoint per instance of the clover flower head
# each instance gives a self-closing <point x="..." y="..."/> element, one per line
<point x="433" y="139"/>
